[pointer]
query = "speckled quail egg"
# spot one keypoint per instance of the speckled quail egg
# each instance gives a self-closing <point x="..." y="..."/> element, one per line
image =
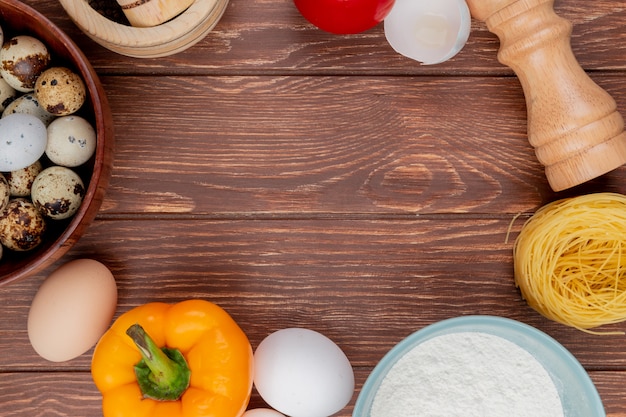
<point x="71" y="141"/>
<point x="5" y="192"/>
<point x="58" y="192"/>
<point x="60" y="91"/>
<point x="21" y="225"/>
<point x="21" y="181"/>
<point x="7" y="94"/>
<point x="23" y="58"/>
<point x="23" y="140"/>
<point x="28" y="104"/>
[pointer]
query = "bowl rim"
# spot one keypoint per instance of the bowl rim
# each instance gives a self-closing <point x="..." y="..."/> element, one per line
<point x="529" y="338"/>
<point x="103" y="155"/>
<point x="168" y="38"/>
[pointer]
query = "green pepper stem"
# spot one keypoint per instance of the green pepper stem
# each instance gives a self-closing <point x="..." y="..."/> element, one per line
<point x="163" y="373"/>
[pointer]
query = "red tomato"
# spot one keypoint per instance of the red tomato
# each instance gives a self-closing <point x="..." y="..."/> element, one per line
<point x="344" y="16"/>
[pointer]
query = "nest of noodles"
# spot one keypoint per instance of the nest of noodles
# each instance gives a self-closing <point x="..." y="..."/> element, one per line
<point x="570" y="261"/>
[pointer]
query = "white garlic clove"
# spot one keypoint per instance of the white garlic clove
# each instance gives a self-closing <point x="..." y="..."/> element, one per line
<point x="428" y="31"/>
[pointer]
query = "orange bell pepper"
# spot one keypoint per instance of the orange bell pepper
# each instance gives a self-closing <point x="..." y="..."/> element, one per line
<point x="189" y="359"/>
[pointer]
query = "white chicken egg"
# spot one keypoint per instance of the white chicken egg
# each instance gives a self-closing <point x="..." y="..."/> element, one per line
<point x="72" y="309"/>
<point x="428" y="31"/>
<point x="262" y="412"/>
<point x="23" y="140"/>
<point x="302" y="373"/>
<point x="71" y="141"/>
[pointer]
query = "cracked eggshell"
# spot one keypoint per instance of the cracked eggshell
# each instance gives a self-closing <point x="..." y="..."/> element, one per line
<point x="60" y="91"/>
<point x="58" y="192"/>
<point x="71" y="141"/>
<point x="23" y="140"/>
<point x="21" y="181"/>
<point x="28" y="104"/>
<point x="21" y="225"/>
<point x="22" y="59"/>
<point x="428" y="31"/>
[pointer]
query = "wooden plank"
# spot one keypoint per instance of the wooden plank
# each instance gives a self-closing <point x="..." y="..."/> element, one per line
<point x="40" y="394"/>
<point x="365" y="283"/>
<point x="328" y="145"/>
<point x="271" y="36"/>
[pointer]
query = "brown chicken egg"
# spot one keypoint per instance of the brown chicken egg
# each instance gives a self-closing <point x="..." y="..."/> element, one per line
<point x="72" y="309"/>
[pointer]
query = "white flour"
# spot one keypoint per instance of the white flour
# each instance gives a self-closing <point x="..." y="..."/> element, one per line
<point x="468" y="374"/>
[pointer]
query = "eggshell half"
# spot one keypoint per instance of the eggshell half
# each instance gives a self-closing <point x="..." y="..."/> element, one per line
<point x="72" y="309"/>
<point x="428" y="31"/>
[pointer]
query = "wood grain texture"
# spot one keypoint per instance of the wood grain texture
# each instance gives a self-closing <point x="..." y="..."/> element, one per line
<point x="41" y="395"/>
<point x="299" y="178"/>
<point x="328" y="145"/>
<point x="270" y="36"/>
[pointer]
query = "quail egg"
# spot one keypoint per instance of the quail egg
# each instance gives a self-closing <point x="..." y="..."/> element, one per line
<point x="23" y="58"/>
<point x="5" y="192"/>
<point x="60" y="91"/>
<point x="21" y="181"/>
<point x="28" y="104"/>
<point x="58" y="192"/>
<point x="71" y="141"/>
<point x="7" y="94"/>
<point x="23" y="140"/>
<point x="21" y="225"/>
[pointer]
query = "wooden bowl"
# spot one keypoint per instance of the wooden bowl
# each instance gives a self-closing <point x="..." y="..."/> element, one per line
<point x="17" y="18"/>
<point x="168" y="38"/>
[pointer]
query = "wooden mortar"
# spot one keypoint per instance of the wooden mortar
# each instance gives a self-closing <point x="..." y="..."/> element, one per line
<point x="573" y="124"/>
<point x="147" y="13"/>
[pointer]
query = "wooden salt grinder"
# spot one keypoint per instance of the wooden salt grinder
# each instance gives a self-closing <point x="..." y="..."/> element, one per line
<point x="573" y="124"/>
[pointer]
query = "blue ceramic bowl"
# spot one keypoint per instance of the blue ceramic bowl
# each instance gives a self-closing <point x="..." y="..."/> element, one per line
<point x="578" y="394"/>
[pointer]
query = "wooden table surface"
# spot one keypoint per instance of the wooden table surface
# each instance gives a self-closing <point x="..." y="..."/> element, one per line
<point x="303" y="179"/>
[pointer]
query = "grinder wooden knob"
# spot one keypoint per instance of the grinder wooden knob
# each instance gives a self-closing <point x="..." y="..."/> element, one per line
<point x="573" y="124"/>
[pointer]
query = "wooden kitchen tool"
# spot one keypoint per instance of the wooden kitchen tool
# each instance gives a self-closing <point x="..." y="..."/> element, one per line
<point x="146" y="13"/>
<point x="573" y="124"/>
